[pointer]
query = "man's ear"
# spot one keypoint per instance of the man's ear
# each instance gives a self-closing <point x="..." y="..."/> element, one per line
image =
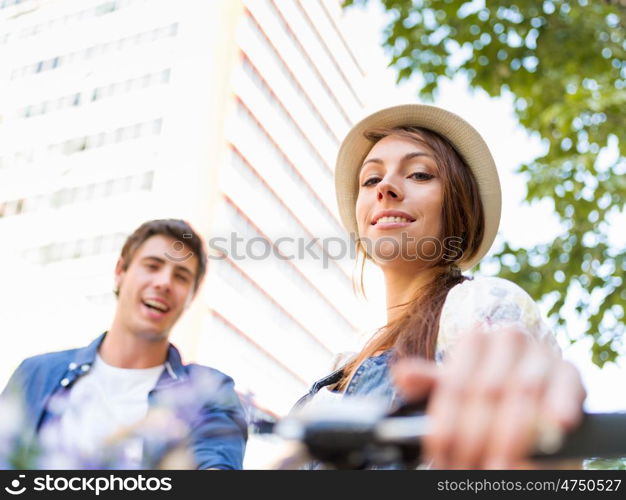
<point x="119" y="273"/>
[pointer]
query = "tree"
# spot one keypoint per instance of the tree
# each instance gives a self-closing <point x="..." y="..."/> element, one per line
<point x="564" y="62"/>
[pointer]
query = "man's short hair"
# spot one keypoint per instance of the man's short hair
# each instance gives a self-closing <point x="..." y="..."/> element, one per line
<point x="174" y="228"/>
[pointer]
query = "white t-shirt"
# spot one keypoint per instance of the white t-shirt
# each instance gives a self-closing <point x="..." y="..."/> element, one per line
<point x="100" y="405"/>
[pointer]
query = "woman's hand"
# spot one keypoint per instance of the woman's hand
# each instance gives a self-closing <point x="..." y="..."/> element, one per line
<point x="493" y="399"/>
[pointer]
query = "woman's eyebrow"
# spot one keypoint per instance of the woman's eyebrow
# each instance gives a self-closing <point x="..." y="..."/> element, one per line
<point x="420" y="154"/>
<point x="372" y="160"/>
<point x="415" y="154"/>
<point x="406" y="157"/>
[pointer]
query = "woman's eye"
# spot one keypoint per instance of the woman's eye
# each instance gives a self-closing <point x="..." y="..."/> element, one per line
<point x="371" y="181"/>
<point x="421" y="176"/>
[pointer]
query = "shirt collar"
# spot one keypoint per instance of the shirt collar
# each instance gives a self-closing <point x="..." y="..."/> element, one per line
<point x="85" y="357"/>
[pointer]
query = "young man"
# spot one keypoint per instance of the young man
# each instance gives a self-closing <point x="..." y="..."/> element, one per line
<point x="82" y="398"/>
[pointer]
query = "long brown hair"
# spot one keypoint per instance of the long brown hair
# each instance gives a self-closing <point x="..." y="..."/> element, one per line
<point x="414" y="333"/>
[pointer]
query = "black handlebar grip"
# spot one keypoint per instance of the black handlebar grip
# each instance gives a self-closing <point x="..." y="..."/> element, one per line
<point x="598" y="435"/>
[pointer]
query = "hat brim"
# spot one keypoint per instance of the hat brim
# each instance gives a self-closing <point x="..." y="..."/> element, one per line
<point x="466" y="140"/>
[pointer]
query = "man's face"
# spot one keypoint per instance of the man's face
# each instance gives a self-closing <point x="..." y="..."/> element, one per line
<point x="156" y="287"/>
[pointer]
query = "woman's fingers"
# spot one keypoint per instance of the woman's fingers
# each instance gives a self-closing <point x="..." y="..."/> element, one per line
<point x="564" y="397"/>
<point x="491" y="400"/>
<point x="492" y="395"/>
<point x="446" y="404"/>
<point x="514" y="431"/>
<point x="414" y="378"/>
<point x="487" y="386"/>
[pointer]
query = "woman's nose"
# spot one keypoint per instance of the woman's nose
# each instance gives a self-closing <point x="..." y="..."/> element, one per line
<point x="387" y="189"/>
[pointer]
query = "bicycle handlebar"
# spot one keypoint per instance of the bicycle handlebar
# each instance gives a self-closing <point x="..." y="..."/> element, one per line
<point x="353" y="440"/>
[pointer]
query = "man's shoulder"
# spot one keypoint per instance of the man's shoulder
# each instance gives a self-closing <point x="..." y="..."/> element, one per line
<point x="36" y="373"/>
<point x="211" y="387"/>
<point x="48" y="359"/>
<point x="195" y="370"/>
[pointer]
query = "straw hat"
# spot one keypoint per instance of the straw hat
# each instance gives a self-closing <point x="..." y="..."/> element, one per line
<point x="466" y="140"/>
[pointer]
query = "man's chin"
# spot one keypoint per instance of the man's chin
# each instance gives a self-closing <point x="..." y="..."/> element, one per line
<point x="152" y="334"/>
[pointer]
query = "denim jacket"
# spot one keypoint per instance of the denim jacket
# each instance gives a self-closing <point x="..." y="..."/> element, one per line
<point x="371" y="378"/>
<point x="217" y="421"/>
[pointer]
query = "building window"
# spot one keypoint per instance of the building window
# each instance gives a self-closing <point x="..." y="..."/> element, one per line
<point x="233" y="222"/>
<point x="280" y="160"/>
<point x="93" y="11"/>
<point x="68" y="196"/>
<point x="259" y="36"/>
<point x="86" y="247"/>
<point x="89" y="52"/>
<point x="289" y="122"/>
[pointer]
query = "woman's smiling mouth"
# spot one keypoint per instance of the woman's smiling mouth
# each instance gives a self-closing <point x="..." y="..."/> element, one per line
<point x="392" y="218"/>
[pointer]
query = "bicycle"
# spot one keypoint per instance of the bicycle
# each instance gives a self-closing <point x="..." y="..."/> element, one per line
<point x="358" y="435"/>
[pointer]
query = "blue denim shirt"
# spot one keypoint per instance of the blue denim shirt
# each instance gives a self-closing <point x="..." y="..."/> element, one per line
<point x="217" y="422"/>
<point x="371" y="378"/>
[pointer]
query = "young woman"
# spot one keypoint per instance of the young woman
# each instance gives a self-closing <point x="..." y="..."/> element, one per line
<point x="419" y="189"/>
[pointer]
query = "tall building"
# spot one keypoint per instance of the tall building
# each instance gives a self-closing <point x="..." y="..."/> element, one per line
<point x="225" y="113"/>
<point x="297" y="89"/>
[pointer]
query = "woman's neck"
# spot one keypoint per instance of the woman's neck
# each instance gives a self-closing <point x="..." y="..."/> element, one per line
<point x="402" y="287"/>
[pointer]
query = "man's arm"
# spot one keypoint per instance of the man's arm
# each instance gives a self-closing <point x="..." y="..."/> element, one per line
<point x="214" y="426"/>
<point x="218" y="439"/>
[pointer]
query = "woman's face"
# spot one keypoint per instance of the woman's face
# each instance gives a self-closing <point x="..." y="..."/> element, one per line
<point x="398" y="208"/>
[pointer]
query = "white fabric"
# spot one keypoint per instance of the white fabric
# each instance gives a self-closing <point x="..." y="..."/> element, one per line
<point x="325" y="397"/>
<point x="102" y="404"/>
<point x="490" y="304"/>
